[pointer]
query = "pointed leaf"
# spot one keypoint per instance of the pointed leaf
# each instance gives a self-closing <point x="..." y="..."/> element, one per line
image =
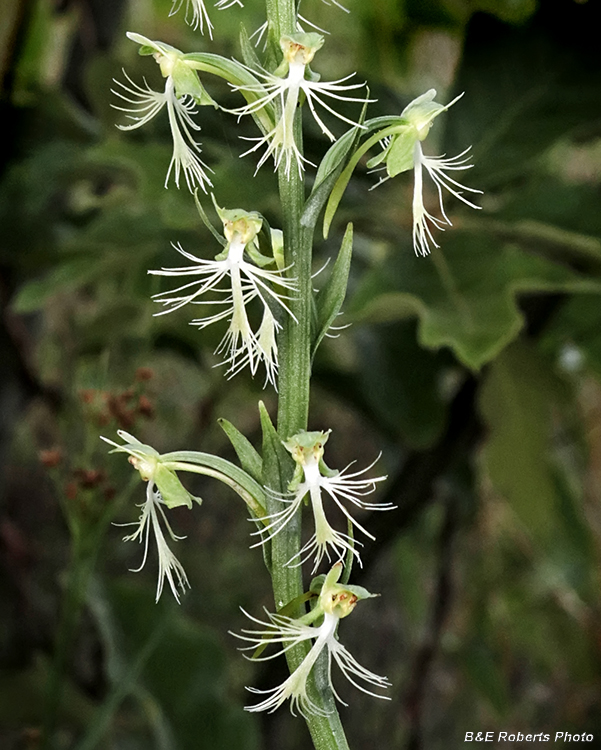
<point x="248" y="51"/>
<point x="330" y="298"/>
<point x="277" y="464"/>
<point x="172" y="490"/>
<point x="250" y="460"/>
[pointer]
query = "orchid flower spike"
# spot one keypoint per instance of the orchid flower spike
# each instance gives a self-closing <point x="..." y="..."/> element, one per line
<point x="402" y="151"/>
<point x="335" y="602"/>
<point x="311" y="477"/>
<point x="246" y="280"/>
<point x="183" y="91"/>
<point x="283" y="88"/>
<point x="163" y="489"/>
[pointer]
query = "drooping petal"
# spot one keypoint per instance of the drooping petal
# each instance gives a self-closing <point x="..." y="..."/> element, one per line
<point x="170" y="567"/>
<point x="196" y="14"/>
<point x="436" y="167"/>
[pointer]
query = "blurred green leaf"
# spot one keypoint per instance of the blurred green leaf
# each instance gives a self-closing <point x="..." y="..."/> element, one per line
<point x="516" y="404"/>
<point x="401" y="382"/>
<point x="186" y="674"/>
<point x="464" y="298"/>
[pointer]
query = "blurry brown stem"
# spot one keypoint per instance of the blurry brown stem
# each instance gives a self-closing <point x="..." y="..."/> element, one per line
<point x="81" y="565"/>
<point x="426" y="653"/>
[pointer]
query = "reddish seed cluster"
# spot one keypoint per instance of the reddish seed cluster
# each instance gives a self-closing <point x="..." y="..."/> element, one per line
<point x="122" y="408"/>
<point x="101" y="408"/>
<point x="88" y="479"/>
<point x="51" y="458"/>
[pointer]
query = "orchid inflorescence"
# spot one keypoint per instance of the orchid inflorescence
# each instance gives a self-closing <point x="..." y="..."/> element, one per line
<point x="265" y="268"/>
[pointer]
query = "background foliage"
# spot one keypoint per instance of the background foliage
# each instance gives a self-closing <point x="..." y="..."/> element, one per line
<point x="478" y="369"/>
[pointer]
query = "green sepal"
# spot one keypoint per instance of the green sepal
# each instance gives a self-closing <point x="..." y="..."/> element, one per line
<point x="277" y="246"/>
<point x="297" y="478"/>
<point x="282" y="70"/>
<point x="329" y="300"/>
<point x="188" y="83"/>
<point x="399" y="153"/>
<point x="133" y="446"/>
<point x="257" y="257"/>
<point x="325" y="470"/>
<point x="289" y="609"/>
<point x="249" y="458"/>
<point x="421" y="112"/>
<point x="172" y="491"/>
<point x="262" y="252"/>
<point x="207" y="222"/>
<point x="316" y="584"/>
<point x="151" y="47"/>
<point x="358" y="591"/>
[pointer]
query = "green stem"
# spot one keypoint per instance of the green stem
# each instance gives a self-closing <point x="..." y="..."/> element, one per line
<point x="78" y="575"/>
<point x="293" y="404"/>
<point x="86" y="539"/>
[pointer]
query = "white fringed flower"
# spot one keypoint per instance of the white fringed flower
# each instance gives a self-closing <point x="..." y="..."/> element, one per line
<point x="283" y="88"/>
<point x="183" y="91"/>
<point x="170" y="567"/>
<point x="335" y="602"/>
<point x="402" y="151"/>
<point x="163" y="489"/>
<point x="312" y="477"/>
<point x="240" y="346"/>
